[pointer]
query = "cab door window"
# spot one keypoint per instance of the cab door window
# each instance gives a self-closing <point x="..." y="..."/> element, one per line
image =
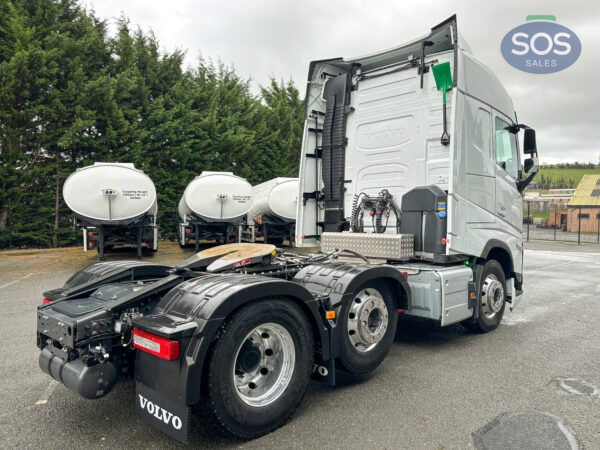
<point x="507" y="155"/>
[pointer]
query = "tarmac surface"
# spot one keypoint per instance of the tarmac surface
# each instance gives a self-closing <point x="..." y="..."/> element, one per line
<point x="532" y="383"/>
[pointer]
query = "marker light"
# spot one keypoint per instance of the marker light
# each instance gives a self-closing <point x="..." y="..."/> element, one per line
<point x="156" y="345"/>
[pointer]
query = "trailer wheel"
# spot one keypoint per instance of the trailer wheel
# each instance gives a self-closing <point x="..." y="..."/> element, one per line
<point x="368" y="326"/>
<point x="492" y="298"/>
<point x="259" y="367"/>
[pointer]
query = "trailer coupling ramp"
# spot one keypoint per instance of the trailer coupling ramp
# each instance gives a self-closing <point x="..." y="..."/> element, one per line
<point x="398" y="247"/>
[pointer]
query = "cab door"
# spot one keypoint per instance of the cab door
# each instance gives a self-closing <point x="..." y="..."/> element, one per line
<point x="509" y="203"/>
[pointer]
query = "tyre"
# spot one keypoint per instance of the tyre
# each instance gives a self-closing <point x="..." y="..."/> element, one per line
<point x="492" y="298"/>
<point x="259" y="367"/>
<point x="368" y="326"/>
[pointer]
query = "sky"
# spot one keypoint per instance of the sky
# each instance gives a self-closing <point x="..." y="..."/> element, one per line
<point x="279" y="38"/>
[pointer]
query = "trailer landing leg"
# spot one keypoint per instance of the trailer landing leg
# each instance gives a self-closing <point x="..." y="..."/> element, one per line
<point x="101" y="245"/>
<point x="139" y="243"/>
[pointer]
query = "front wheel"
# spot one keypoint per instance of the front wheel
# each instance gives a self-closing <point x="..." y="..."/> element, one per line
<point x="368" y="326"/>
<point x="492" y="298"/>
<point x="259" y="367"/>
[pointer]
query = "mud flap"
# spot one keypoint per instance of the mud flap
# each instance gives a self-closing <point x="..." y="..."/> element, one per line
<point x="514" y="297"/>
<point x="168" y="416"/>
<point x="324" y="372"/>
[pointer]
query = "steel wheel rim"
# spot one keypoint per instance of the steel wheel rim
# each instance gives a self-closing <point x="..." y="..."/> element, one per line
<point x="367" y="320"/>
<point x="492" y="296"/>
<point x="264" y="364"/>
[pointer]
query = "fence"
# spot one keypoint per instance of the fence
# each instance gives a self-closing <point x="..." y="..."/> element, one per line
<point x="580" y="224"/>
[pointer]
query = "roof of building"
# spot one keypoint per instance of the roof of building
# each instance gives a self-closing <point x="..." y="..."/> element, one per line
<point x="587" y="192"/>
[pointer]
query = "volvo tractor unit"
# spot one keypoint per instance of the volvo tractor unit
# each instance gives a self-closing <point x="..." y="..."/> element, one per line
<point x="410" y="197"/>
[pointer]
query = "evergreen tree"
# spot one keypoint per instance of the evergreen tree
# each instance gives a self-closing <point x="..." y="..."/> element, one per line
<point x="70" y="95"/>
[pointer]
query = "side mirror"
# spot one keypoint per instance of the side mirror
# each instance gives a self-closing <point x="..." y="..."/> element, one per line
<point x="529" y="144"/>
<point x="527" y="165"/>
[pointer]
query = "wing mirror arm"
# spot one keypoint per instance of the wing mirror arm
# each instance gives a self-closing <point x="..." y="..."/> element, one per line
<point x="531" y="168"/>
<point x="531" y="164"/>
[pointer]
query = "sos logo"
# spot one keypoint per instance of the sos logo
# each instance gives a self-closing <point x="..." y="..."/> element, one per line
<point x="540" y="46"/>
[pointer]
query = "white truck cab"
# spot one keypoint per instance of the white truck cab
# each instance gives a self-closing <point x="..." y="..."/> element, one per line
<point x="378" y="124"/>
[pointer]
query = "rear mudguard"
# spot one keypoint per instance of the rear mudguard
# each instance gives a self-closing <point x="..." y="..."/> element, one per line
<point x="193" y="312"/>
<point x="339" y="280"/>
<point x="88" y="279"/>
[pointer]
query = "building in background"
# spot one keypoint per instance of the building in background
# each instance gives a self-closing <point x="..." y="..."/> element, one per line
<point x="552" y="202"/>
<point x="584" y="206"/>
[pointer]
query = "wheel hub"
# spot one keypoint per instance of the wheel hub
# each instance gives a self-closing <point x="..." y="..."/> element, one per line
<point x="367" y="320"/>
<point x="492" y="296"/>
<point x="264" y="364"/>
<point x="248" y="358"/>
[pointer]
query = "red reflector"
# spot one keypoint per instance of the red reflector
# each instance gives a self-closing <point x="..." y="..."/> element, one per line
<point x="259" y="219"/>
<point x="444" y="241"/>
<point x="156" y="345"/>
<point x="46" y="300"/>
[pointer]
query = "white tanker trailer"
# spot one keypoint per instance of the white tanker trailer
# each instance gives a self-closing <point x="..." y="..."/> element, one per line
<point x="212" y="208"/>
<point x="114" y="204"/>
<point x="273" y="215"/>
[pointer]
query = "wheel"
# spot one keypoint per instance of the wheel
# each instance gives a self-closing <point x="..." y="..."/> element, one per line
<point x="492" y="298"/>
<point x="368" y="326"/>
<point x="259" y="367"/>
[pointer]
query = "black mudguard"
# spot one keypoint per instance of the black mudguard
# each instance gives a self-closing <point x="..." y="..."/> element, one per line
<point x="338" y="280"/>
<point x="193" y="311"/>
<point x="87" y="280"/>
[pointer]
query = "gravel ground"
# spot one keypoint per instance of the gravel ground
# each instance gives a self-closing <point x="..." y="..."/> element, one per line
<point x="532" y="383"/>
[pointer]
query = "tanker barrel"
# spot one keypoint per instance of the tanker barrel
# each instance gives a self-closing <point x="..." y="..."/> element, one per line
<point x="277" y="198"/>
<point x="216" y="197"/>
<point x="110" y="194"/>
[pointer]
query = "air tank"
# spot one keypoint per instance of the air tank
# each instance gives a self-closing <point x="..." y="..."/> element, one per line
<point x="216" y="197"/>
<point x="110" y="194"/>
<point x="277" y="198"/>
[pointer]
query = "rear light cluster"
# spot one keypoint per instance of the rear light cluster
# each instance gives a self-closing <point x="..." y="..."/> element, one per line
<point x="46" y="301"/>
<point x="156" y="345"/>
